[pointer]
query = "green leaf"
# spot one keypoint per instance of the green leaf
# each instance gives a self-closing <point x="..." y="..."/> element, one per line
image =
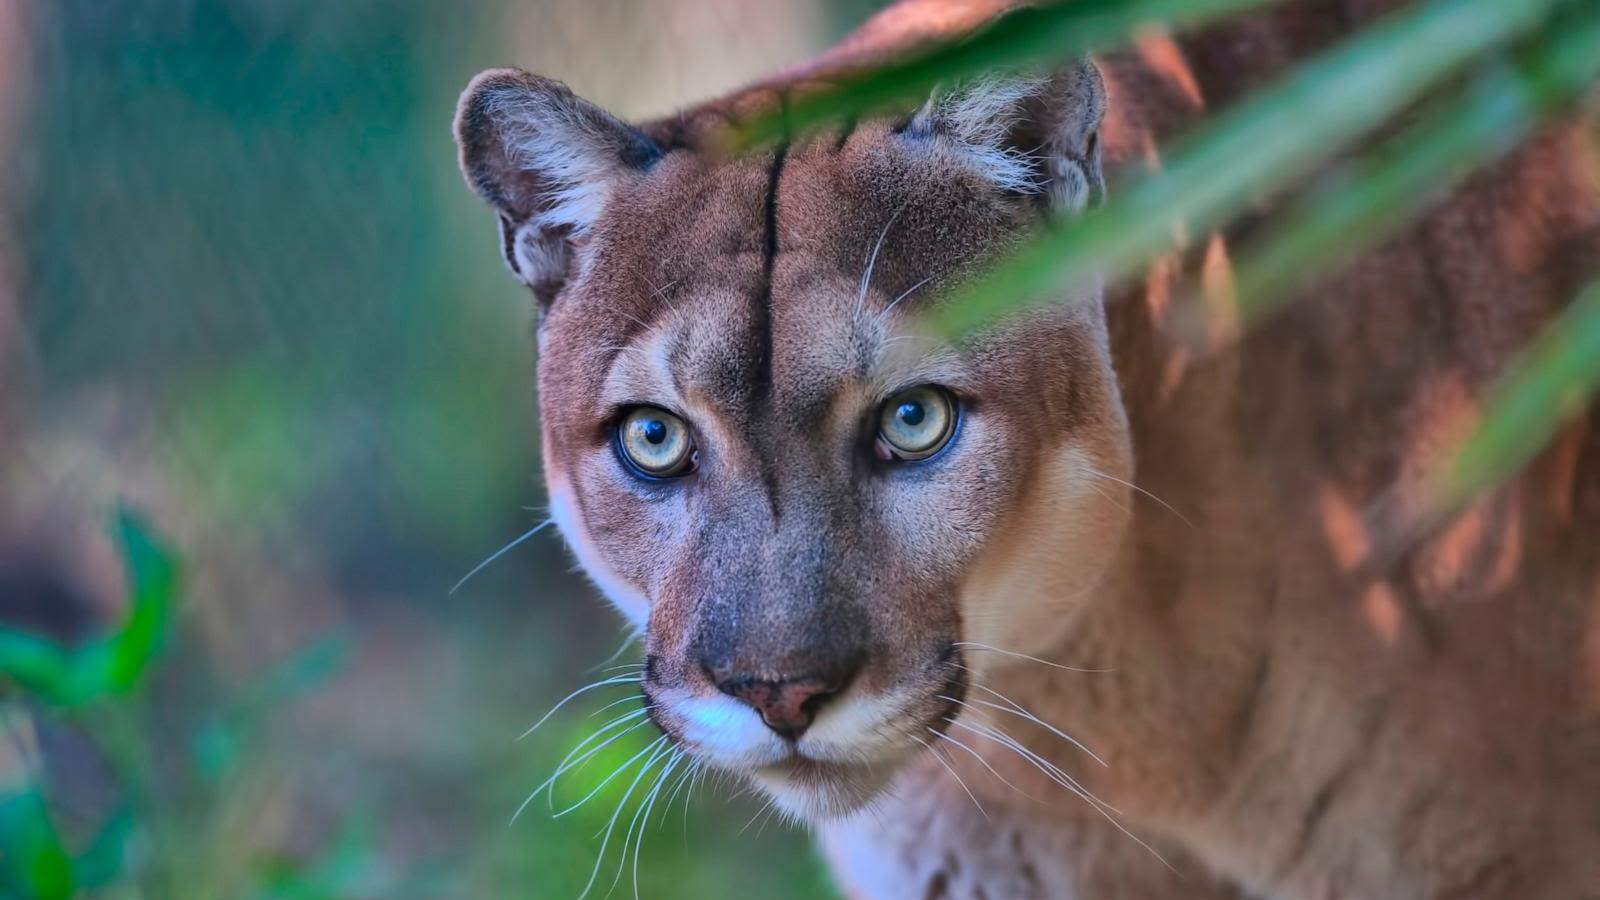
<point x="1254" y="149"/>
<point x="101" y="863"/>
<point x="155" y="579"/>
<point x="1023" y="38"/>
<point x="112" y="664"/>
<point x="1363" y="201"/>
<point x="342" y="867"/>
<point x="116" y="663"/>
<point x="309" y="667"/>
<point x="1553" y="382"/>
<point x="33" y="861"/>
<point x="36" y="664"/>
<point x="216" y="746"/>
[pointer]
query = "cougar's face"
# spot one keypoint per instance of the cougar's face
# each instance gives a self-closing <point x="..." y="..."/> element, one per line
<point x="812" y="508"/>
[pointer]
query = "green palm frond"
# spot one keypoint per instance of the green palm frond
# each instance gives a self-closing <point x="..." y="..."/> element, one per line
<point x="1473" y="78"/>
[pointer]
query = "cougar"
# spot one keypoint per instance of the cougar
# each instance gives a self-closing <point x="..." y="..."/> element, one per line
<point x="1071" y="607"/>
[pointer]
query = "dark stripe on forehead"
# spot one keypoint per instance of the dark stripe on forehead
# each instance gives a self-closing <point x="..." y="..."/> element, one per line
<point x="761" y="319"/>
<point x="761" y="315"/>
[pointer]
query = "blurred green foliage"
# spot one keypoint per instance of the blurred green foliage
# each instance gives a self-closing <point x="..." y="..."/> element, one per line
<point x="172" y="786"/>
<point x="83" y="683"/>
<point x="109" y="666"/>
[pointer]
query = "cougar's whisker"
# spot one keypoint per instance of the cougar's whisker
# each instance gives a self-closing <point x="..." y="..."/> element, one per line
<point x="501" y="552"/>
<point x="643" y="325"/>
<point x="631" y="698"/>
<point x="629" y="637"/>
<point x="727" y="785"/>
<point x="1111" y="500"/>
<point x="568" y="763"/>
<point x="690" y="773"/>
<point x="764" y="808"/>
<point x="695" y="781"/>
<point x="648" y="748"/>
<point x="1054" y="665"/>
<point x="1104" y="809"/>
<point x="883" y="313"/>
<point x="775" y="813"/>
<point x="660" y="293"/>
<point x="872" y="261"/>
<point x="1134" y="487"/>
<point x="593" y="686"/>
<point x="1045" y="766"/>
<point x="1016" y="710"/>
<point x="638" y="849"/>
<point x="657" y="752"/>
<point x="981" y="761"/>
<point x="641" y="820"/>
<point x="951" y="769"/>
<point x="686" y="776"/>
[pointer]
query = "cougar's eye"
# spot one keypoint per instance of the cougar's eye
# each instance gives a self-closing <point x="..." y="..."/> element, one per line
<point x="655" y="443"/>
<point x="916" y="424"/>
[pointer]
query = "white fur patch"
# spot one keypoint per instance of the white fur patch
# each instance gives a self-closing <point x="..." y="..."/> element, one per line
<point x="984" y="118"/>
<point x="625" y="597"/>
<point x="855" y="729"/>
<point x="725" y="731"/>
<point x="979" y="116"/>
<point x="546" y="136"/>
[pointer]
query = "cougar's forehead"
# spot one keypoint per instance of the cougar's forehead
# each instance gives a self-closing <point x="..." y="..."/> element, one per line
<point x="761" y="281"/>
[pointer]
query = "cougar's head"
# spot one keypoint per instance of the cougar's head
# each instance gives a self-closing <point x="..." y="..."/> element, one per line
<point x="812" y="508"/>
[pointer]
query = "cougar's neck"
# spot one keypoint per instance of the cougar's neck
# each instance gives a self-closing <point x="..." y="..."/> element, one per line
<point x="1176" y="639"/>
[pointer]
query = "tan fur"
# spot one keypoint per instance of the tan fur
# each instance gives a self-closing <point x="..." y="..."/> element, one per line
<point x="1275" y="720"/>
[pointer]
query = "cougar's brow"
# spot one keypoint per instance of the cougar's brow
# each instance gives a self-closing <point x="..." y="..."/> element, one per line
<point x="641" y="371"/>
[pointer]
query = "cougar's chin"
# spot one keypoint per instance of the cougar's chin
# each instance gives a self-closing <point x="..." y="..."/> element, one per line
<point x="851" y="758"/>
<point x="813" y="791"/>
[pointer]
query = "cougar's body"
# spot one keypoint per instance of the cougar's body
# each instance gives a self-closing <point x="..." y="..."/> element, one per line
<point x="1260" y="702"/>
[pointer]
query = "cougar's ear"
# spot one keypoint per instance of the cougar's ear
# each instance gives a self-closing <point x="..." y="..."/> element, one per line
<point x="1036" y="134"/>
<point x="548" y="162"/>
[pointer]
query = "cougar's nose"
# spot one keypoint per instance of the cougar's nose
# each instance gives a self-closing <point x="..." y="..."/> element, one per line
<point x="787" y="705"/>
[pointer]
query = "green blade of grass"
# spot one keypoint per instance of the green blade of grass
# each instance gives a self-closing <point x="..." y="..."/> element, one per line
<point x="102" y="861"/>
<point x="1553" y="382"/>
<point x="1023" y="38"/>
<point x="37" y="665"/>
<point x="34" y="863"/>
<point x="216" y="746"/>
<point x="1254" y="149"/>
<point x="116" y="663"/>
<point x="1365" y="201"/>
<point x="155" y="580"/>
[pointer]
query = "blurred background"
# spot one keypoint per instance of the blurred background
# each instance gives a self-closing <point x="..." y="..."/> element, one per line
<point x="244" y="293"/>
